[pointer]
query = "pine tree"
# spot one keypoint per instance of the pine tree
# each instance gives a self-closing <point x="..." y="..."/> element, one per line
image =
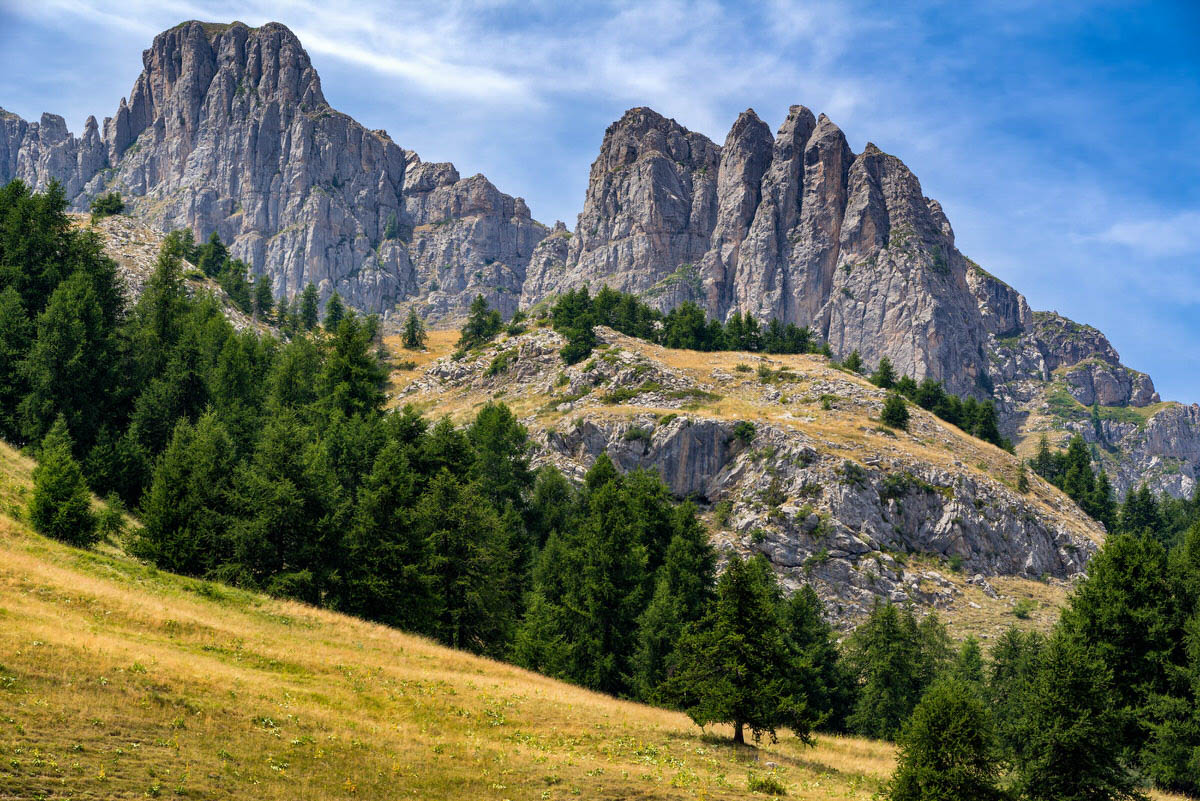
<point x="352" y="380"/>
<point x="1124" y="615"/>
<point x="469" y="570"/>
<point x="483" y="323"/>
<point x="185" y="512"/>
<point x="853" y="362"/>
<point x="946" y="748"/>
<point x="61" y="504"/>
<point x="734" y="665"/>
<point x="885" y="653"/>
<point x="682" y="591"/>
<point x="884" y="376"/>
<point x="413" y="336"/>
<point x="895" y="412"/>
<point x="815" y="655"/>
<point x="1069" y="733"/>
<point x="309" y="307"/>
<point x="968" y="663"/>
<point x="16" y="335"/>
<point x="1014" y="664"/>
<point x="335" y="310"/>
<point x="212" y="256"/>
<point x="264" y="298"/>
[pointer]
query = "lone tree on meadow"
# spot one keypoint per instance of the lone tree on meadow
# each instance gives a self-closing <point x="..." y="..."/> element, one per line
<point x="61" y="505"/>
<point x="735" y="666"/>
<point x="413" y="337"/>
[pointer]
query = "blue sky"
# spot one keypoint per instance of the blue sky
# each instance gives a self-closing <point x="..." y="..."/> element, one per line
<point x="1064" y="143"/>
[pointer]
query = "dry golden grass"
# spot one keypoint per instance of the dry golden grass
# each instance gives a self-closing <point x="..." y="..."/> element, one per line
<point x="120" y="681"/>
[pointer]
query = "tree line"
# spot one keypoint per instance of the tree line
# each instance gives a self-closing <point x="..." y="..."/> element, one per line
<point x="275" y="465"/>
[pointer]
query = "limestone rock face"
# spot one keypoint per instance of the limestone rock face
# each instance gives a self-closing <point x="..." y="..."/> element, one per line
<point x="39" y="152"/>
<point x="795" y="227"/>
<point x="227" y="130"/>
<point x="648" y="216"/>
<point x="467" y="238"/>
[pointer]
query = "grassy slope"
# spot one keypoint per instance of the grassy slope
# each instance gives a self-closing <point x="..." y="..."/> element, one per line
<point x="118" y="681"/>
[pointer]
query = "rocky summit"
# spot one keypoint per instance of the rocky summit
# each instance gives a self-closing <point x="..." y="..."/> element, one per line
<point x="227" y="130"/>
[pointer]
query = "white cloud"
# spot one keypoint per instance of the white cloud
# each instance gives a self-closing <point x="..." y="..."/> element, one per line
<point x="1174" y="235"/>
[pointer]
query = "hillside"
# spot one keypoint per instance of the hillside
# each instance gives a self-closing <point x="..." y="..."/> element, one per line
<point x="120" y="681"/>
<point x="227" y="129"/>
<point x="830" y="496"/>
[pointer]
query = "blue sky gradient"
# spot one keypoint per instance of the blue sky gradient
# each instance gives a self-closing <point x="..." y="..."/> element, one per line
<point x="1063" y="143"/>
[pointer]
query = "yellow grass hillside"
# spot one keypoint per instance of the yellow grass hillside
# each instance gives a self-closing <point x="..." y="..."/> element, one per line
<point x="120" y="681"/>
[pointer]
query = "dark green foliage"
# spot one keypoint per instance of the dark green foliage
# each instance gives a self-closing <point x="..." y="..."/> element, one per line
<point x="335" y="310"/>
<point x="185" y="512"/>
<point x="893" y="659"/>
<point x="309" y="307"/>
<point x="683" y="588"/>
<point x="1068" y="745"/>
<point x="976" y="418"/>
<point x="1014" y="665"/>
<point x="107" y="205"/>
<point x="413" y="336"/>
<point x="884" y="376"/>
<point x="946" y="748"/>
<point x="483" y="323"/>
<point x="853" y="362"/>
<point x="735" y="665"/>
<point x="1071" y="471"/>
<point x="212" y="255"/>
<point x="743" y="432"/>
<point x="812" y="643"/>
<point x="968" y="664"/>
<point x="686" y="326"/>
<point x="895" y="412"/>
<point x="61" y="505"/>
<point x="264" y="298"/>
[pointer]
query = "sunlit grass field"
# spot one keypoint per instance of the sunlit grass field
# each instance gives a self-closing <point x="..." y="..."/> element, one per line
<point x="120" y="681"/>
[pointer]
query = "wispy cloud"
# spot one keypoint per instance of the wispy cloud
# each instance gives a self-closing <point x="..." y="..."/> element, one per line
<point x="1170" y="235"/>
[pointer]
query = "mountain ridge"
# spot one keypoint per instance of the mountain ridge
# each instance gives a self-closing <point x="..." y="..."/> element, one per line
<point x="227" y="130"/>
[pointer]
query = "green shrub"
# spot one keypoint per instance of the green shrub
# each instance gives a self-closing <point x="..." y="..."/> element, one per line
<point x="1024" y="607"/>
<point x="107" y="205"/>
<point x="768" y="784"/>
<point x="743" y="431"/>
<point x="895" y="412"/>
<point x="502" y="361"/>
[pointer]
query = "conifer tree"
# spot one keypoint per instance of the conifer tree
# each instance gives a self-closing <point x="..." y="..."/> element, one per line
<point x="884" y="376"/>
<point x="853" y="362"/>
<point x="264" y="298"/>
<point x="483" y="323"/>
<point x="413" y="336"/>
<point x="814" y="653"/>
<point x="682" y="591"/>
<point x="309" y="307"/>
<point x="968" y="663"/>
<point x="895" y="412"/>
<point x="468" y="567"/>
<point x="734" y="665"/>
<point x="185" y="512"/>
<point x="212" y="256"/>
<point x="946" y="748"/>
<point x="335" y="310"/>
<point x="1069" y="741"/>
<point x="1010" y="675"/>
<point x="61" y="504"/>
<point x="892" y="667"/>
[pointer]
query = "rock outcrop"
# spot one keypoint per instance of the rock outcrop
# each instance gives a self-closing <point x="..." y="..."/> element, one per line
<point x="857" y="524"/>
<point x="227" y="129"/>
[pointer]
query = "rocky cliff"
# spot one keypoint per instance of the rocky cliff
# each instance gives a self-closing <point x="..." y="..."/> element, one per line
<point x="227" y="129"/>
<point x="814" y="483"/>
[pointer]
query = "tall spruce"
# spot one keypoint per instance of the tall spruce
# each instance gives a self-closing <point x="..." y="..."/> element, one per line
<point x="60" y="506"/>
